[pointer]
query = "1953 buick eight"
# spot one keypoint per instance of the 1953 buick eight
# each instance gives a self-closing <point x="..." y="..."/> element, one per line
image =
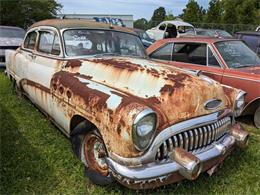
<point x="130" y="119"/>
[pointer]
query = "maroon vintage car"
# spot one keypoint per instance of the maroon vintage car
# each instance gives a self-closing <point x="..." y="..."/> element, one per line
<point x="228" y="61"/>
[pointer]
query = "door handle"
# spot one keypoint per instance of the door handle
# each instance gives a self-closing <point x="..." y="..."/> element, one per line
<point x="32" y="55"/>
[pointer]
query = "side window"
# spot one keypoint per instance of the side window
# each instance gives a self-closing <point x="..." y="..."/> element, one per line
<point x="30" y="40"/>
<point x="164" y="53"/>
<point x="162" y="27"/>
<point x="56" y="46"/>
<point x="49" y="43"/>
<point x="194" y="53"/>
<point x="212" y="61"/>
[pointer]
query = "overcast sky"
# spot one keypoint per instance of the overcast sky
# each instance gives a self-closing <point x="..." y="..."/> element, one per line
<point x="137" y="8"/>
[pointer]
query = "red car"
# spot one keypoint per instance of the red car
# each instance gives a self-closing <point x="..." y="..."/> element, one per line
<point x="228" y="61"/>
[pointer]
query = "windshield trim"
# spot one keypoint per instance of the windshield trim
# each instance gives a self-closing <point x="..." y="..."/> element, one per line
<point x="62" y="31"/>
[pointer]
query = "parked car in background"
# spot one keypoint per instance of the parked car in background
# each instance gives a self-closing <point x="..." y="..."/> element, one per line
<point x="171" y="29"/>
<point x="10" y="38"/>
<point x="212" y="33"/>
<point x="138" y="121"/>
<point x="146" y="40"/>
<point x="228" y="61"/>
<point x="251" y="38"/>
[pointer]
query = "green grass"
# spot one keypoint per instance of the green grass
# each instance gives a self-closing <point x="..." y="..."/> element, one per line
<point x="36" y="158"/>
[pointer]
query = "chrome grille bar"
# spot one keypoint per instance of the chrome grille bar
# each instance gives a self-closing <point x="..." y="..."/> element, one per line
<point x="196" y="138"/>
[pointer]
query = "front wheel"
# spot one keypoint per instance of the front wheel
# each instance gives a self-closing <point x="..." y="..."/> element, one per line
<point x="257" y="117"/>
<point x="92" y="152"/>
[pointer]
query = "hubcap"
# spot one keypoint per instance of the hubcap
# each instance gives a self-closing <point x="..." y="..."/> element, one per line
<point x="95" y="154"/>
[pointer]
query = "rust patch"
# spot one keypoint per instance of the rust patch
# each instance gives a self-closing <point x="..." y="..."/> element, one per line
<point x="34" y="84"/>
<point x="93" y="98"/>
<point x="73" y="63"/>
<point x="178" y="79"/>
<point x="167" y="89"/>
<point x="153" y="71"/>
<point x="119" y="64"/>
<point x="153" y="100"/>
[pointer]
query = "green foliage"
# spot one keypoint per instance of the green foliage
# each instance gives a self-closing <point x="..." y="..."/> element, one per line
<point x="230" y="11"/>
<point x="23" y="13"/>
<point x="158" y="16"/>
<point x="193" y="12"/>
<point x="247" y="12"/>
<point x="169" y="16"/>
<point x="214" y="12"/>
<point x="141" y="23"/>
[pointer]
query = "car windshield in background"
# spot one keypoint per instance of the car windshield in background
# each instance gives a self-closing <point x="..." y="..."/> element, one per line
<point x="186" y="29"/>
<point x="144" y="35"/>
<point x="11" y="33"/>
<point x="223" y="33"/>
<point x="85" y="42"/>
<point x="237" y="55"/>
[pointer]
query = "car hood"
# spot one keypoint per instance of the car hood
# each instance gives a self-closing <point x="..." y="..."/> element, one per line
<point x="174" y="94"/>
<point x="10" y="41"/>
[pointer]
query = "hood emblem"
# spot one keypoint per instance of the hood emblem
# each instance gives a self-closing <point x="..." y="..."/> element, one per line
<point x="212" y="104"/>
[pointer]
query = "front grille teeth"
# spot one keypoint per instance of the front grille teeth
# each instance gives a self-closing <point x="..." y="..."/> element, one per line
<point x="194" y="139"/>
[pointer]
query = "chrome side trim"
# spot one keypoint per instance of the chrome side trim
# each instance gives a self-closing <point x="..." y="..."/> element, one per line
<point x="155" y="170"/>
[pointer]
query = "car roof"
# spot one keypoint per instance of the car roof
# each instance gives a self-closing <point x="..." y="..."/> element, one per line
<point x="177" y="23"/>
<point x="249" y="32"/>
<point x="11" y="27"/>
<point x="199" y="39"/>
<point x="79" y="23"/>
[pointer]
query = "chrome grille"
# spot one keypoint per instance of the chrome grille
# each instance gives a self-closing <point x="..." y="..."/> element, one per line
<point x="194" y="139"/>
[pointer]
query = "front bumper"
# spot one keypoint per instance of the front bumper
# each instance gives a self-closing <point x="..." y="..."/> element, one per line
<point x="180" y="165"/>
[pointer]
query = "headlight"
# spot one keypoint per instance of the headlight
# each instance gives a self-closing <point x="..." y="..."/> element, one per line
<point x="144" y="128"/>
<point x="239" y="103"/>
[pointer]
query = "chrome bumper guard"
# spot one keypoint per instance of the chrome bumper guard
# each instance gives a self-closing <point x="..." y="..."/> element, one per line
<point x="155" y="170"/>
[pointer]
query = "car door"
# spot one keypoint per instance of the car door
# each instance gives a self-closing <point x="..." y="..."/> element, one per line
<point x="198" y="56"/>
<point x="159" y="32"/>
<point x="47" y="60"/>
<point x="23" y="57"/>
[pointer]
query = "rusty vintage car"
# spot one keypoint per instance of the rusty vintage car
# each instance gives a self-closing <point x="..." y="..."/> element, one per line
<point x="228" y="61"/>
<point x="130" y="119"/>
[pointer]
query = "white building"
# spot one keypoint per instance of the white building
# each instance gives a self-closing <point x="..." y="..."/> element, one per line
<point x="121" y="20"/>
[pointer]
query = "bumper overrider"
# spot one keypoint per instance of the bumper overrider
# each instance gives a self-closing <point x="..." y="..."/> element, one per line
<point x="181" y="151"/>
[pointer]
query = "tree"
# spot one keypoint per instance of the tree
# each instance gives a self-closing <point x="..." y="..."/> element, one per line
<point x="141" y="23"/>
<point x="23" y="13"/>
<point x="247" y="12"/>
<point x="214" y="12"/>
<point x="158" y="16"/>
<point x="230" y="15"/>
<point x="169" y="16"/>
<point x="193" y="12"/>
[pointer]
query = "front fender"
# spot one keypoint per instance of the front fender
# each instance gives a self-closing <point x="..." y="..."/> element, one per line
<point x="112" y="112"/>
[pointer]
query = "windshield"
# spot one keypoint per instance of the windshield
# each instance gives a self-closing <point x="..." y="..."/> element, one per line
<point x="236" y="54"/>
<point x="186" y="30"/>
<point x="85" y="42"/>
<point x="223" y="33"/>
<point x="11" y="33"/>
<point x="209" y="33"/>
